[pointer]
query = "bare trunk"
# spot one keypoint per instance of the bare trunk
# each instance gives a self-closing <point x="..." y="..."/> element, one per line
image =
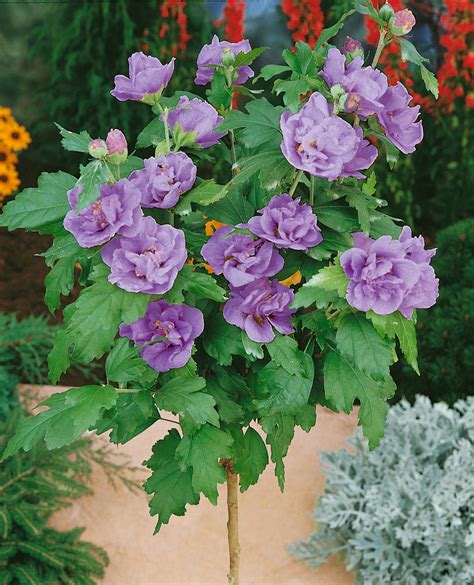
<point x="233" y="523"/>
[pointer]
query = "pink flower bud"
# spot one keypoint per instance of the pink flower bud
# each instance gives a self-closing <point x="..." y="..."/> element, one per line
<point x="117" y="147"/>
<point x="402" y="22"/>
<point x="352" y="49"/>
<point x="98" y="148"/>
<point x="116" y="141"/>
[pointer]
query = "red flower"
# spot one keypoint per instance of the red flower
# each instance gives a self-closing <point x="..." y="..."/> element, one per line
<point x="306" y="19"/>
<point x="234" y="17"/>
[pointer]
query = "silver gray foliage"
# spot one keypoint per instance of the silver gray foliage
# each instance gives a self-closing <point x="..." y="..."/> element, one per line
<point x="404" y="513"/>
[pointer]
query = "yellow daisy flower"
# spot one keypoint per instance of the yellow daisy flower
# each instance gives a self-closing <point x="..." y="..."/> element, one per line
<point x="6" y="116"/>
<point x="15" y="136"/>
<point x="7" y="156"/>
<point x="9" y="180"/>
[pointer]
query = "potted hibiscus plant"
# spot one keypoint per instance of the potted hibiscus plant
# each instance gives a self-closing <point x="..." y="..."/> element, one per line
<point x="237" y="305"/>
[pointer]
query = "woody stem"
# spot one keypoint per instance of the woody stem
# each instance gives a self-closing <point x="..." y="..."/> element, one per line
<point x="233" y="524"/>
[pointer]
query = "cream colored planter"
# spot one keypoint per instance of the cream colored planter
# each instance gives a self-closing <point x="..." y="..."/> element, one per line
<point x="193" y="550"/>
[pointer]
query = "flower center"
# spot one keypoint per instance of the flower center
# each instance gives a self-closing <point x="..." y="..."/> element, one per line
<point x="3" y="178"/>
<point x="3" y="156"/>
<point x="15" y="135"/>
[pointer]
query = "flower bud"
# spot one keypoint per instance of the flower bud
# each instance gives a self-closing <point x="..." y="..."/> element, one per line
<point x="98" y="148"/>
<point x="352" y="49"/>
<point x="386" y="12"/>
<point x="117" y="150"/>
<point x="402" y="22"/>
<point x="227" y="58"/>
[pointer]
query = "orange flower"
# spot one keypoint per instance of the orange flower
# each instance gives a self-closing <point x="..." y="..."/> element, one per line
<point x="9" y="181"/>
<point x="7" y="156"/>
<point x="15" y="136"/>
<point x="212" y="226"/>
<point x="292" y="280"/>
<point x="6" y="116"/>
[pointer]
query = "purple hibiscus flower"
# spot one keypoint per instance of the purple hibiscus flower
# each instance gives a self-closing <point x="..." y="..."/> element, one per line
<point x="258" y="306"/>
<point x="148" y="262"/>
<point x="241" y="258"/>
<point x="164" y="179"/>
<point x="199" y="119"/>
<point x="324" y="145"/>
<point x="364" y="85"/>
<point x="147" y="77"/>
<point x="425" y="292"/>
<point x="116" y="211"/>
<point x="398" y="119"/>
<point x="387" y="275"/>
<point x="287" y="223"/>
<point x="212" y="55"/>
<point x="177" y="326"/>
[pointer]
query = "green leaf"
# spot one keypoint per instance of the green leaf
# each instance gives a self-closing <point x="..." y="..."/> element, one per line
<point x="133" y="413"/>
<point x="343" y="383"/>
<point x="250" y="457"/>
<point x="202" y="451"/>
<point x="124" y="364"/>
<point x="406" y="333"/>
<point x="74" y="142"/>
<point x="316" y="321"/>
<point x="133" y="163"/>
<point x="69" y="414"/>
<point x="247" y="58"/>
<point x="329" y="33"/>
<point x="271" y="165"/>
<point x="231" y="210"/>
<point x="329" y="279"/>
<point x="222" y="341"/>
<point x="59" y="281"/>
<point x="206" y="193"/>
<point x="170" y="485"/>
<point x="283" y="392"/>
<point x="359" y="342"/>
<point x="41" y="209"/>
<point x="201" y="284"/>
<point x="229" y="411"/>
<point x="361" y="203"/>
<point x="92" y="175"/>
<point x="270" y="71"/>
<point x="58" y="358"/>
<point x="92" y="321"/>
<point x="62" y="258"/>
<point x="430" y="81"/>
<point x="182" y="395"/>
<point x="300" y="60"/>
<point x="337" y="216"/>
<point x="219" y="95"/>
<point x="253" y="349"/>
<point x="260" y="125"/>
<point x="292" y="90"/>
<point x="280" y="429"/>
<point x="306" y="417"/>
<point x="152" y="134"/>
<point x="284" y="352"/>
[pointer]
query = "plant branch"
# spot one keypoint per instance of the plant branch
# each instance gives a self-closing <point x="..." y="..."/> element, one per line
<point x="232" y="523"/>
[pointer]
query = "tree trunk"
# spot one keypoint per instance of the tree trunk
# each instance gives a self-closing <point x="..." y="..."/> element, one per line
<point x="233" y="523"/>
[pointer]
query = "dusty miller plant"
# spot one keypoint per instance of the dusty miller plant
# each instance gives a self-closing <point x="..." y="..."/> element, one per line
<point x="403" y="513"/>
<point x="210" y="328"/>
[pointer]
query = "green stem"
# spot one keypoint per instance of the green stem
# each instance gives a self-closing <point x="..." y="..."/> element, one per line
<point x="299" y="174"/>
<point x="380" y="47"/>
<point x="311" y="189"/>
